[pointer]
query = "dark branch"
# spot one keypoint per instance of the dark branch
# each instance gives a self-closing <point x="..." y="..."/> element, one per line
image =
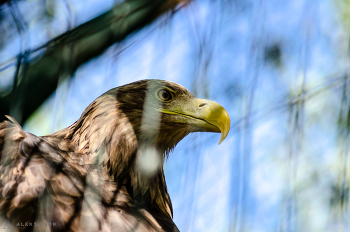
<point x="39" y="77"/>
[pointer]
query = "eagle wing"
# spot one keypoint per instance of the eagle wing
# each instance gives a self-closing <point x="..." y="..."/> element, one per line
<point x="44" y="183"/>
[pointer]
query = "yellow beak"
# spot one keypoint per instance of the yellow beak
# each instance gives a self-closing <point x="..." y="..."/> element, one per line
<point x="214" y="114"/>
<point x="205" y="115"/>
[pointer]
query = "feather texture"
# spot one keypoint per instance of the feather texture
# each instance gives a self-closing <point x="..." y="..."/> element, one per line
<point x="104" y="172"/>
<point x="85" y="177"/>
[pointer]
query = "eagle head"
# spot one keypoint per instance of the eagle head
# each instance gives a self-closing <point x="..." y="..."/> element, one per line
<point x="162" y="113"/>
<point x="145" y="117"/>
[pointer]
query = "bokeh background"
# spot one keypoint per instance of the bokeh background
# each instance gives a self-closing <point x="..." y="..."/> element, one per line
<point x="280" y="68"/>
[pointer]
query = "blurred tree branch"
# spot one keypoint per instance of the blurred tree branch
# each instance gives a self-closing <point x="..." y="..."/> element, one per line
<point x="4" y="1"/>
<point x="38" y="78"/>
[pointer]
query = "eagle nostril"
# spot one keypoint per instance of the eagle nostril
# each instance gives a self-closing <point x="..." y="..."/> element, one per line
<point x="202" y="104"/>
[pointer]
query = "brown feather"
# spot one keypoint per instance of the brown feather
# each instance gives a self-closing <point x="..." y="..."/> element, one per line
<point x="87" y="176"/>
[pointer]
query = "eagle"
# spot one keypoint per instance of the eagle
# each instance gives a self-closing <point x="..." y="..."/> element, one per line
<point x="105" y="171"/>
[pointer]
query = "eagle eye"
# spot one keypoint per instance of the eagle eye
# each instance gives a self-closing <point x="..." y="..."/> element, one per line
<point x="164" y="95"/>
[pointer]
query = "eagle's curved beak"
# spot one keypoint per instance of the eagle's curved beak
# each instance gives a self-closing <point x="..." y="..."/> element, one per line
<point x="205" y="116"/>
<point x="214" y="114"/>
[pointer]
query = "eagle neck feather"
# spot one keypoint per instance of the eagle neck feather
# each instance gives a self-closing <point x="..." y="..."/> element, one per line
<point x="108" y="138"/>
